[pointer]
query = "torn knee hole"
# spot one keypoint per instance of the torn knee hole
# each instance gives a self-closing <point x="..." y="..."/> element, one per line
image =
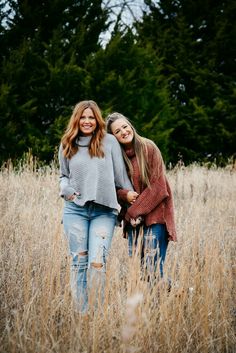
<point x="83" y="253"/>
<point x="96" y="265"/>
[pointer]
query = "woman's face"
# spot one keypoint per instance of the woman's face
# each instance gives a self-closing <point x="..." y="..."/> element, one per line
<point x="87" y="122"/>
<point x="122" y="131"/>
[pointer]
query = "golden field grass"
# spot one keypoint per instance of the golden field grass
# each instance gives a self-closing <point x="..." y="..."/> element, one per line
<point x="198" y="315"/>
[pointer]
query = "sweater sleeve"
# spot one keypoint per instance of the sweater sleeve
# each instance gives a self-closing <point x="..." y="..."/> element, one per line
<point x="121" y="177"/>
<point x="153" y="195"/>
<point x="122" y="194"/>
<point x="65" y="189"/>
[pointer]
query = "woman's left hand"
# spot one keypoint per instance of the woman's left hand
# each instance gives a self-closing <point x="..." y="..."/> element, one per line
<point x="136" y="222"/>
<point x="132" y="196"/>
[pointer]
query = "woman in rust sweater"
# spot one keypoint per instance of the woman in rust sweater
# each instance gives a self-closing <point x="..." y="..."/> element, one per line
<point x="150" y="207"/>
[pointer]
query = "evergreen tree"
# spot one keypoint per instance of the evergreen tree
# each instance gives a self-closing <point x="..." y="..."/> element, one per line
<point x="196" y="40"/>
<point x="126" y="78"/>
<point x="173" y="74"/>
<point x="44" y="46"/>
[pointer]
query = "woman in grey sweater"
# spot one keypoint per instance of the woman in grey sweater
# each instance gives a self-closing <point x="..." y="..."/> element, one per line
<point x="91" y="168"/>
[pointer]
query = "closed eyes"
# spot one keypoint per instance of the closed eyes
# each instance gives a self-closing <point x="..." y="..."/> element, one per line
<point x="123" y="127"/>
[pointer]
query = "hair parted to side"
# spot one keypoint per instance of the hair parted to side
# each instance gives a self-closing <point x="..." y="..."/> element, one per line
<point x="73" y="130"/>
<point x="140" y="148"/>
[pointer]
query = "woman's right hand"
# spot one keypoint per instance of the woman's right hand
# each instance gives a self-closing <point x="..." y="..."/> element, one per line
<point x="73" y="196"/>
<point x="132" y="196"/>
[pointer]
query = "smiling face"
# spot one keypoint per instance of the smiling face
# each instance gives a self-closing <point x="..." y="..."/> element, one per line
<point x="87" y="122"/>
<point x="122" y="131"/>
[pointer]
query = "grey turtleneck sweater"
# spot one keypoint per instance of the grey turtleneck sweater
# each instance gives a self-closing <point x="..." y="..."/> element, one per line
<point x="95" y="179"/>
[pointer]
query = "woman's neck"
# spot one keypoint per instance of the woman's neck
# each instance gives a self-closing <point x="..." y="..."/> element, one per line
<point x="128" y="146"/>
<point x="83" y="140"/>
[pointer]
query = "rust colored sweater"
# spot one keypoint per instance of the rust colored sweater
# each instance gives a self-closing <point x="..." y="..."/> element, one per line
<point x="154" y="203"/>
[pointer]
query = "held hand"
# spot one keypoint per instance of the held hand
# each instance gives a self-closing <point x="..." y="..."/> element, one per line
<point x="139" y="220"/>
<point x="133" y="222"/>
<point x="132" y="196"/>
<point x="136" y="222"/>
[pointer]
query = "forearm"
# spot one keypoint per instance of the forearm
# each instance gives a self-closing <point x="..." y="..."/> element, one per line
<point x="122" y="195"/>
<point x="65" y="189"/>
<point x="148" y="200"/>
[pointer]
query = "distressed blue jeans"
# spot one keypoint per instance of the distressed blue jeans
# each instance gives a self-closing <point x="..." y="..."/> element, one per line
<point x="153" y="243"/>
<point x="89" y="230"/>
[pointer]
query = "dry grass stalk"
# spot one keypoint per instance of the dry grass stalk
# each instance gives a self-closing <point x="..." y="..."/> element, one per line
<point x="198" y="315"/>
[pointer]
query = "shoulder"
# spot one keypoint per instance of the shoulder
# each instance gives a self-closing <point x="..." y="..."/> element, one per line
<point x="110" y="139"/>
<point x="153" y="152"/>
<point x="151" y="146"/>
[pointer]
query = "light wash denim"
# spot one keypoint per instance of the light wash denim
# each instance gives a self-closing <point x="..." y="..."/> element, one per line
<point x="89" y="230"/>
<point x="153" y="243"/>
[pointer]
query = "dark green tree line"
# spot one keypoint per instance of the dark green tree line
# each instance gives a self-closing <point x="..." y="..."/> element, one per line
<point x="173" y="73"/>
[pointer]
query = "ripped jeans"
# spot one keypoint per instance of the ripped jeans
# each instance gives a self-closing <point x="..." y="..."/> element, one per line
<point x="89" y="230"/>
<point x="151" y="242"/>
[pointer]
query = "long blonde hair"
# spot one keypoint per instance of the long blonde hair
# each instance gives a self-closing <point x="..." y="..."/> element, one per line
<point x="72" y="131"/>
<point x="140" y="149"/>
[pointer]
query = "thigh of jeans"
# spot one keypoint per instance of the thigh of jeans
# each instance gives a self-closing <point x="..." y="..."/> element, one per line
<point x="76" y="226"/>
<point x="101" y="231"/>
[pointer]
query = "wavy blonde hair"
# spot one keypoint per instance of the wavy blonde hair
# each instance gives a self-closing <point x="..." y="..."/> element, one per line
<point x="72" y="131"/>
<point x="140" y="149"/>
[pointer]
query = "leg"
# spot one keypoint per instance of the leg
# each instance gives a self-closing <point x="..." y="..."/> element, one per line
<point x="76" y="230"/>
<point x="100" y="236"/>
<point x="155" y="247"/>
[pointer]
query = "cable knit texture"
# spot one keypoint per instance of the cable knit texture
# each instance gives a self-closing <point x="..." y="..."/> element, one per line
<point x="95" y="179"/>
<point x="154" y="203"/>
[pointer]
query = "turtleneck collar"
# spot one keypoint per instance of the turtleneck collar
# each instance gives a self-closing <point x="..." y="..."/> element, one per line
<point x="83" y="141"/>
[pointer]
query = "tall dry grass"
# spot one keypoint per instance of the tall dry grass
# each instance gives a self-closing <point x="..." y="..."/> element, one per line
<point x="198" y="315"/>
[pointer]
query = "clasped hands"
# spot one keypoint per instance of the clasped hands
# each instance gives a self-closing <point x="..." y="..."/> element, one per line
<point x="131" y="198"/>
